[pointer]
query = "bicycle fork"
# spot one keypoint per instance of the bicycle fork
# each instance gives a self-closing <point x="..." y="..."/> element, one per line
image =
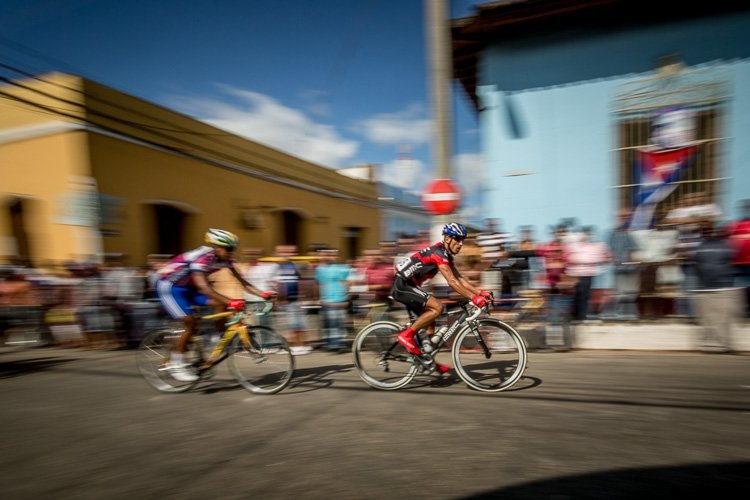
<point x="480" y="340"/>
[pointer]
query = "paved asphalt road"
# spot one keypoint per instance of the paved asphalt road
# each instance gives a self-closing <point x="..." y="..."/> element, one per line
<point x="81" y="423"/>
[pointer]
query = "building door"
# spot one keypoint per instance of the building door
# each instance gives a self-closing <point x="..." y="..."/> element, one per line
<point x="16" y="209"/>
<point x="170" y="227"/>
<point x="291" y="222"/>
<point x="352" y="237"/>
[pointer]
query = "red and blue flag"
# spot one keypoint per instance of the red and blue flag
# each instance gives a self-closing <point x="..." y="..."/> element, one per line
<point x="657" y="172"/>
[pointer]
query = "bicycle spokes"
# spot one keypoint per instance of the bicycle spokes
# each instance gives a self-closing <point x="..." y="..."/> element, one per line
<point x="490" y="357"/>
<point x="381" y="361"/>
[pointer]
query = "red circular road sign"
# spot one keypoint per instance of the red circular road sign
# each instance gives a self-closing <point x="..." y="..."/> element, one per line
<point x="441" y="197"/>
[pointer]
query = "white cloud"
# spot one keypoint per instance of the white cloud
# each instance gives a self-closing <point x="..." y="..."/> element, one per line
<point x="409" y="126"/>
<point x="407" y="173"/>
<point x="315" y="103"/>
<point x="413" y="175"/>
<point x="469" y="172"/>
<point x="263" y="119"/>
<point x="470" y="176"/>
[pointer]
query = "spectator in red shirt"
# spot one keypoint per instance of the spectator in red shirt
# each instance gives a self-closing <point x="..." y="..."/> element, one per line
<point x="739" y="238"/>
<point x="560" y="292"/>
<point x="379" y="279"/>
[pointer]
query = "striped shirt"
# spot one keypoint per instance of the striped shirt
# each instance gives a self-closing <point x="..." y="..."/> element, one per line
<point x="202" y="259"/>
<point x="493" y="243"/>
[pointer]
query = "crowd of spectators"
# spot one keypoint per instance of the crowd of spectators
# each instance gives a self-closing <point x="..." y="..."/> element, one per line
<point x="688" y="266"/>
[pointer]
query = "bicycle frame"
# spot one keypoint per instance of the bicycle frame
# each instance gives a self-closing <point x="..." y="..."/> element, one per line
<point x="235" y="326"/>
<point x="465" y="317"/>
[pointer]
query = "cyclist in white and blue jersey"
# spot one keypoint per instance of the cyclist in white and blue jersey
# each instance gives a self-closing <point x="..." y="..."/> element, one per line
<point x="182" y="283"/>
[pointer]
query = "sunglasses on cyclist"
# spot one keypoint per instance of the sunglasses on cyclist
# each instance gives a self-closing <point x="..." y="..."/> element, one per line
<point x="458" y="238"/>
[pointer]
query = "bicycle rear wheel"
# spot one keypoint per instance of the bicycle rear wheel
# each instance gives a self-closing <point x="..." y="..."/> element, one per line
<point x="153" y="355"/>
<point x="381" y="361"/>
<point x="267" y="366"/>
<point x="497" y="368"/>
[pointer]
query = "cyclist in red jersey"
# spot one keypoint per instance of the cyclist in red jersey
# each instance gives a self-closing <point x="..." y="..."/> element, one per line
<point x="423" y="265"/>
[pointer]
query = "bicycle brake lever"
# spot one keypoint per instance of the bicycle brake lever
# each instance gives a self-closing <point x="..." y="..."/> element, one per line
<point x="476" y="313"/>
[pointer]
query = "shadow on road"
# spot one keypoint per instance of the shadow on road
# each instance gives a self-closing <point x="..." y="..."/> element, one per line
<point x="311" y="379"/>
<point x="304" y="380"/>
<point x="15" y="368"/>
<point x="691" y="481"/>
<point x="423" y="381"/>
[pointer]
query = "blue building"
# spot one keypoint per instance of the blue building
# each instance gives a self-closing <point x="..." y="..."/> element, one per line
<point x="568" y="94"/>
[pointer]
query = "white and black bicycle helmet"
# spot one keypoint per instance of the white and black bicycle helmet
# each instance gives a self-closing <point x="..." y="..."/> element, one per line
<point x="455" y="229"/>
<point x="222" y="238"/>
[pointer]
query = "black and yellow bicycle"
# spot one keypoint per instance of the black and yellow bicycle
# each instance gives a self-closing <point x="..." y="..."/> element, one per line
<point x="259" y="358"/>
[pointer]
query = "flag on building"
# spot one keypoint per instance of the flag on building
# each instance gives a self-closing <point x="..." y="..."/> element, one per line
<point x="657" y="173"/>
<point x="658" y="168"/>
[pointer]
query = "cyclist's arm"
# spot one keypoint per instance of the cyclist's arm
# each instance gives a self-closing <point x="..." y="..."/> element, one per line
<point x="246" y="284"/>
<point x="475" y="290"/>
<point x="204" y="287"/>
<point x="456" y="281"/>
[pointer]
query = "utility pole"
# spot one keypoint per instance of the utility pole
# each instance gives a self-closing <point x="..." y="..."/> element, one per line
<point x="440" y="73"/>
<point x="440" y="76"/>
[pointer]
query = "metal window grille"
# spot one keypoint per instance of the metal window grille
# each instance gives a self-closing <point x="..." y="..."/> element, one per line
<point x="702" y="92"/>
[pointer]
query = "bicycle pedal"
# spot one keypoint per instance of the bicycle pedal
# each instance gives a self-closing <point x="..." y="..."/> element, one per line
<point x="426" y="362"/>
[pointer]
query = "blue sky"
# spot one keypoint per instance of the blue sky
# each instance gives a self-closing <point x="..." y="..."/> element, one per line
<point x="336" y="82"/>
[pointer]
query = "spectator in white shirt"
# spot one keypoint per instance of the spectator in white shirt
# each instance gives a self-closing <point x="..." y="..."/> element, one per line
<point x="585" y="261"/>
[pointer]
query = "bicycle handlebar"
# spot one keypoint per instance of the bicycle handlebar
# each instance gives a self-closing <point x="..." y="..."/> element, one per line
<point x="267" y="306"/>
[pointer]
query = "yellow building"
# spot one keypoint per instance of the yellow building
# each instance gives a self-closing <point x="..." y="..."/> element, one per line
<point x="87" y="170"/>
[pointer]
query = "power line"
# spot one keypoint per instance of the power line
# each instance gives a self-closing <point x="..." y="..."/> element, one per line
<point x="219" y="159"/>
<point x="113" y="104"/>
<point x="51" y="61"/>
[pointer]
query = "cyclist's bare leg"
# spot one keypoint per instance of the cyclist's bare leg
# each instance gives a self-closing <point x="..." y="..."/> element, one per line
<point x="432" y="309"/>
<point x="190" y="323"/>
<point x="220" y="325"/>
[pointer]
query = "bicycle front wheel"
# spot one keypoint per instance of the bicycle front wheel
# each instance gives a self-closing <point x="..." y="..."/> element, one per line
<point x="267" y="366"/>
<point x="381" y="361"/>
<point x="491" y="358"/>
<point x="153" y="356"/>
